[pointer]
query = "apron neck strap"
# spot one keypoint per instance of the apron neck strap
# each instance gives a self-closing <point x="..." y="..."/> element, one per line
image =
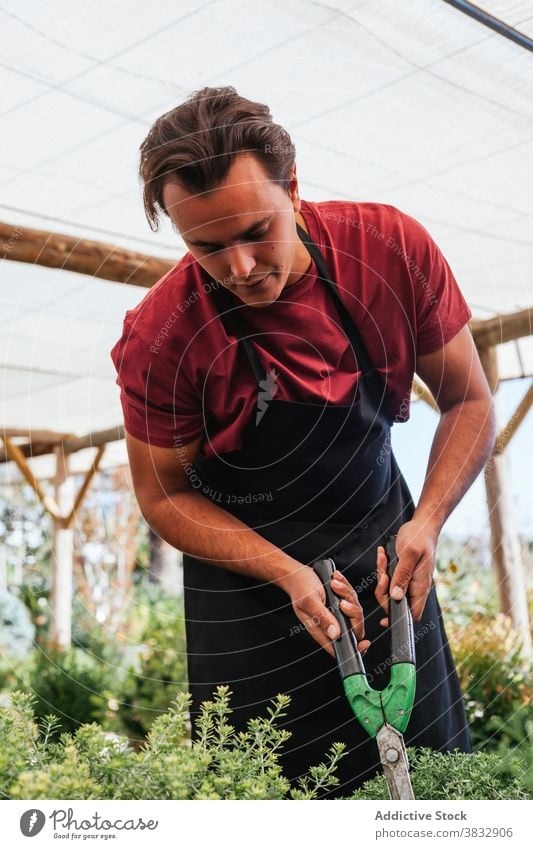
<point x="230" y="315"/>
<point x="350" y="328"/>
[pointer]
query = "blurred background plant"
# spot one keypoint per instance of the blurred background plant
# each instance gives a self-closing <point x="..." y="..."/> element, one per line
<point x="122" y="680"/>
<point x="127" y="661"/>
<point x="494" y="676"/>
<point x="494" y="672"/>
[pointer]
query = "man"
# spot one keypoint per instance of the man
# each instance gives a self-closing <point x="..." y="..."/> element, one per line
<point x="260" y="378"/>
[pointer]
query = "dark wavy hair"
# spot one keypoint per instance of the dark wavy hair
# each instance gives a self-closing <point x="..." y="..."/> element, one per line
<point x="196" y="142"/>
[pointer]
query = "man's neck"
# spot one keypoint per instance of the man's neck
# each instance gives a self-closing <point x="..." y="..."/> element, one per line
<point x="301" y="221"/>
<point x="306" y="259"/>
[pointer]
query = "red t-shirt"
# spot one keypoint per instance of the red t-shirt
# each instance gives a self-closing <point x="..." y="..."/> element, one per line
<point x="178" y="368"/>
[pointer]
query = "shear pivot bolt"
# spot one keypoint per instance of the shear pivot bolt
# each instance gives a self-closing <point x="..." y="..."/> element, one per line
<point x="391" y="756"/>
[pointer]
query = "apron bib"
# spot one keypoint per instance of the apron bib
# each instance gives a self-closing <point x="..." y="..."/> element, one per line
<point x="317" y="480"/>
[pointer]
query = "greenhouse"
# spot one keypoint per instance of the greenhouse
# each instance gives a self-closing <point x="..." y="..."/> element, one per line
<point x="420" y="110"/>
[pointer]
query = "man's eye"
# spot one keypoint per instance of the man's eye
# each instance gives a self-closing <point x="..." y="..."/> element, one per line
<point x="214" y="249"/>
<point x="259" y="235"/>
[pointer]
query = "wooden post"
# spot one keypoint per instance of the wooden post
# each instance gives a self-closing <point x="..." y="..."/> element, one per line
<point x="62" y="556"/>
<point x="505" y="542"/>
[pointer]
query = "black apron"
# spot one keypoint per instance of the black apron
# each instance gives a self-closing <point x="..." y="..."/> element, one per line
<point x="317" y="480"/>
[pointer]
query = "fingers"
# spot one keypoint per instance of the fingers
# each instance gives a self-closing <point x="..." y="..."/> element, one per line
<point x="413" y="576"/>
<point x="309" y="603"/>
<point x="418" y="592"/>
<point x="382" y="585"/>
<point x="409" y="556"/>
<point x="318" y="626"/>
<point x="349" y="603"/>
<point x="351" y="607"/>
<point x="321" y="622"/>
<point x="317" y="631"/>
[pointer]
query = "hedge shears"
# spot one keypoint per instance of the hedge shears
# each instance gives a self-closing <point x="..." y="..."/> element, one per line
<point x="384" y="714"/>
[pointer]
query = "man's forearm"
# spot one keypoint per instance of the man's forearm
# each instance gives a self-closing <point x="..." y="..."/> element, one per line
<point x="462" y="444"/>
<point x="193" y="524"/>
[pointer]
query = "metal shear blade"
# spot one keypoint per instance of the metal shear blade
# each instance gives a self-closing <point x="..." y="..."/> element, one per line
<point x="394" y="760"/>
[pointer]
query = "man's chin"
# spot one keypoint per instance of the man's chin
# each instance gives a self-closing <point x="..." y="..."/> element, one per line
<point x="262" y="299"/>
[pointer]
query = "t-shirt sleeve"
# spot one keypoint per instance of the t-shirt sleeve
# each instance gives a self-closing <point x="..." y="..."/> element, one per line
<point x="158" y="405"/>
<point x="441" y="310"/>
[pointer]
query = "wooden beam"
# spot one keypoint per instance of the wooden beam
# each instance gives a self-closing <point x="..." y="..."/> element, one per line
<point x="85" y="256"/>
<point x="15" y="454"/>
<point x="48" y="436"/>
<point x="94" y="439"/>
<point x="422" y="392"/>
<point x="71" y="445"/>
<point x="501" y="328"/>
<point x="514" y="422"/>
<point x="101" y="259"/>
<point x="89" y="474"/>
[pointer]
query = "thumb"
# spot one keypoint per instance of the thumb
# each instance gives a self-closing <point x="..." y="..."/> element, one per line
<point x="402" y="575"/>
<point x="330" y="625"/>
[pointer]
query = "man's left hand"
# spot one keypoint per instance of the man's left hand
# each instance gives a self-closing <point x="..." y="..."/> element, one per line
<point x="416" y="546"/>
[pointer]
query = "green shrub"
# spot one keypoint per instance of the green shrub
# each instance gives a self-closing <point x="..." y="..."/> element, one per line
<point x="493" y="675"/>
<point x="221" y="764"/>
<point x="437" y="775"/>
<point x="157" y="668"/>
<point x="90" y="764"/>
<point x="76" y="686"/>
<point x="123" y="683"/>
<point x="517" y="740"/>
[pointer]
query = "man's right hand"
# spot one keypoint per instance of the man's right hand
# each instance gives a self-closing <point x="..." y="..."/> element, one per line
<point x="308" y="598"/>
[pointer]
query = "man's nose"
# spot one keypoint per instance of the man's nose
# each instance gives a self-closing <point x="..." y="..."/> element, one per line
<point x="241" y="262"/>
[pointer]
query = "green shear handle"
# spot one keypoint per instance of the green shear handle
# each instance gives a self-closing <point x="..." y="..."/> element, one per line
<point x="374" y="708"/>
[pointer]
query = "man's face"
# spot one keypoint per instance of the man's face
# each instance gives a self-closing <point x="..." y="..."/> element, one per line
<point x="244" y="232"/>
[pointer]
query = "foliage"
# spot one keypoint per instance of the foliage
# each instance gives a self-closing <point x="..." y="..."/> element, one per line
<point x="123" y="680"/>
<point x="464" y="580"/>
<point x="34" y="592"/>
<point x="220" y="764"/>
<point x="106" y="536"/>
<point x="16" y="629"/>
<point x="517" y="738"/>
<point x="455" y="775"/>
<point x="144" y="663"/>
<point x="75" y="685"/>
<point x="90" y="764"/>
<point x="157" y="668"/>
<point x="492" y="672"/>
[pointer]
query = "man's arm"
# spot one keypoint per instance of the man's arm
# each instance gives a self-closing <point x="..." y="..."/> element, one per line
<point x="195" y="525"/>
<point x="461" y="445"/>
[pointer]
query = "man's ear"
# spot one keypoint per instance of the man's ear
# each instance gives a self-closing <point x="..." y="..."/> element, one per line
<point x="294" y="193"/>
